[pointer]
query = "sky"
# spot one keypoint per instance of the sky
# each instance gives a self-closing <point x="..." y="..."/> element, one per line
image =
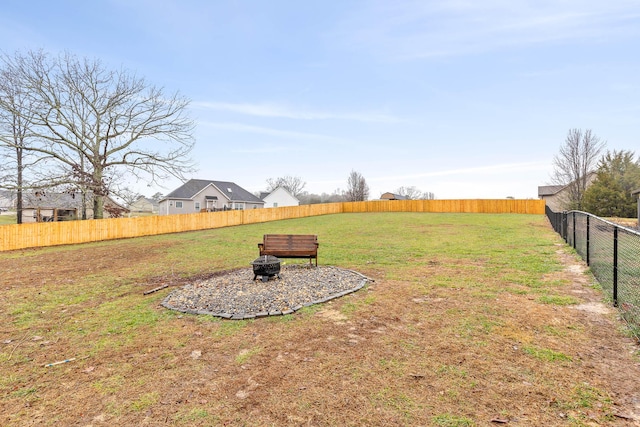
<point x="464" y="99"/>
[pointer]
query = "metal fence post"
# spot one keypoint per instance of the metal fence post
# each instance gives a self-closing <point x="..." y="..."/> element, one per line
<point x="615" y="266"/>
<point x="587" y="240"/>
<point x="573" y="214"/>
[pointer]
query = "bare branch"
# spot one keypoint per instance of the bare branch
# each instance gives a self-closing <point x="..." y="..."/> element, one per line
<point x="95" y="124"/>
<point x="357" y="188"/>
<point x="574" y="163"/>
<point x="293" y="184"/>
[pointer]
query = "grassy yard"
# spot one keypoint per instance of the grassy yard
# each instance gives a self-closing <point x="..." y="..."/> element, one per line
<point x="472" y="320"/>
<point x="7" y="219"/>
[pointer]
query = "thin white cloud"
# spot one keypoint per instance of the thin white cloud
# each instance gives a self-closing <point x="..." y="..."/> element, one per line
<point x="477" y="171"/>
<point x="281" y="111"/>
<point x="413" y="30"/>
<point x="240" y="127"/>
<point x="266" y="149"/>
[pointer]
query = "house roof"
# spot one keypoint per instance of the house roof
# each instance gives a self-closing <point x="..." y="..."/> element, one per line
<point x="146" y="199"/>
<point x="634" y="192"/>
<point x="233" y="191"/>
<point x="265" y="194"/>
<point x="393" y="196"/>
<point x="549" y="190"/>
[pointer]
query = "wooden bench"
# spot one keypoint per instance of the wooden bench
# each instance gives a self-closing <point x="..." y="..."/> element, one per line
<point x="290" y="246"/>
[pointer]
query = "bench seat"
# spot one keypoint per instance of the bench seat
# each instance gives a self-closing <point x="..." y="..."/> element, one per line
<point x="290" y="246"/>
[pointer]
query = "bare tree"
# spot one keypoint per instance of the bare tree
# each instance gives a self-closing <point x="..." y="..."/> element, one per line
<point x="293" y="184"/>
<point x="311" y="198"/>
<point x="100" y="125"/>
<point x="157" y="197"/>
<point x="414" y="193"/>
<point x="128" y="196"/>
<point x="15" y="112"/>
<point x="575" y="161"/>
<point x="357" y="188"/>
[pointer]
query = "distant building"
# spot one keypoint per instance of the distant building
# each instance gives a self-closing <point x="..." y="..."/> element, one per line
<point x="144" y="205"/>
<point x="392" y="196"/>
<point x="7" y="200"/>
<point x="557" y="196"/>
<point x="278" y="198"/>
<point x="201" y="195"/>
<point x="43" y="206"/>
<point x="637" y="194"/>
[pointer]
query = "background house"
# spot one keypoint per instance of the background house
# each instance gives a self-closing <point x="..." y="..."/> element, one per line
<point x="554" y="196"/>
<point x="200" y="195"/>
<point x="279" y="197"/>
<point x="392" y="196"/>
<point x="144" y="205"/>
<point x="43" y="206"/>
<point x="637" y="194"/>
<point x="7" y="200"/>
<point x="557" y="196"/>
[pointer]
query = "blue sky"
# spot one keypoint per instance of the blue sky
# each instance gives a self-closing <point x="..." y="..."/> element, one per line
<point x="466" y="99"/>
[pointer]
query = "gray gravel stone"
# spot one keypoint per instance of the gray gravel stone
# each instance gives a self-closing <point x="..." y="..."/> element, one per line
<point x="235" y="295"/>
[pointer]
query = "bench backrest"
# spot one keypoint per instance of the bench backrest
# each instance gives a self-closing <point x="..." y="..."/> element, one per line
<point x="291" y="241"/>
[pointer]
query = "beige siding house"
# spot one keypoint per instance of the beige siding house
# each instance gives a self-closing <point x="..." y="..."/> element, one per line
<point x="43" y="206"/>
<point x="200" y="195"/>
<point x="553" y="196"/>
<point x="557" y="196"/>
<point x="144" y="205"/>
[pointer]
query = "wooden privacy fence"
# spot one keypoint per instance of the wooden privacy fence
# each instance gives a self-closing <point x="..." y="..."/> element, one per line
<point x="20" y="236"/>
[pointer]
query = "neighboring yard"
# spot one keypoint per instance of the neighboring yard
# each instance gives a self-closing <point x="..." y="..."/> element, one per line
<point x="473" y="320"/>
<point x="7" y="218"/>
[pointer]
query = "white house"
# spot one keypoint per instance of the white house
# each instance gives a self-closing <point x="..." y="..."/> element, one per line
<point x="278" y="198"/>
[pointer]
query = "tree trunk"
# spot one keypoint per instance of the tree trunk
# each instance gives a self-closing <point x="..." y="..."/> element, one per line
<point x="98" y="190"/>
<point x="19" y="185"/>
<point x="98" y="206"/>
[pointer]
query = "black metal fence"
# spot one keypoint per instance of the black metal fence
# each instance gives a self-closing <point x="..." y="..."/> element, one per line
<point x="612" y="253"/>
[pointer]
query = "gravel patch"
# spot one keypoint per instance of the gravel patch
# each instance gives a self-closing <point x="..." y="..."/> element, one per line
<point x="235" y="295"/>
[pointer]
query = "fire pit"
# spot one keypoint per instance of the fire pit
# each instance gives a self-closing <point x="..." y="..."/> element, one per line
<point x="266" y="266"/>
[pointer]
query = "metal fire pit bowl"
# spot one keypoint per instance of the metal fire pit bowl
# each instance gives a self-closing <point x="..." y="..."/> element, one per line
<point x="266" y="266"/>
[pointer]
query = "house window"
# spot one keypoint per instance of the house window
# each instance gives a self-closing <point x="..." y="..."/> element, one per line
<point x="178" y="205"/>
<point x="275" y="204"/>
<point x="239" y="206"/>
<point x="197" y="206"/>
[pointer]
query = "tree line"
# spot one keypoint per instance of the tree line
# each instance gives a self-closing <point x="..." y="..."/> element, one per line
<point x="356" y="190"/>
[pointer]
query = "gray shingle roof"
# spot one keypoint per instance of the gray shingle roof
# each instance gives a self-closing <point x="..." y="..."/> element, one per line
<point x="72" y="200"/>
<point x="192" y="187"/>
<point x="549" y="190"/>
